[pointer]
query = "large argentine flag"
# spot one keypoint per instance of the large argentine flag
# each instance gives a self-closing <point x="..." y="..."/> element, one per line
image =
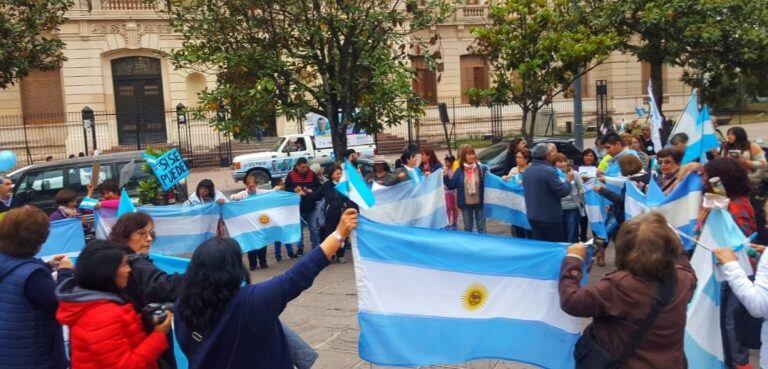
<point x="703" y="340"/>
<point x="263" y="219"/>
<point x="178" y="229"/>
<point x="410" y="203"/>
<point x="681" y="207"/>
<point x="701" y="139"/>
<point x="66" y="237"/>
<point x="429" y="297"/>
<point x="687" y="122"/>
<point x="595" y="207"/>
<point x="505" y="201"/>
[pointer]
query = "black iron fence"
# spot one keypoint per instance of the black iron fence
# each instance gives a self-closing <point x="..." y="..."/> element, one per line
<point x="37" y="138"/>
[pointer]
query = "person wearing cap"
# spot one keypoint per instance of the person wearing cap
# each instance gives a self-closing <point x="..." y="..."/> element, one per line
<point x="381" y="173"/>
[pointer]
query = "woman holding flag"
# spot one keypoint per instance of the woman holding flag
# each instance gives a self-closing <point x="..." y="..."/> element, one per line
<point x="468" y="181"/>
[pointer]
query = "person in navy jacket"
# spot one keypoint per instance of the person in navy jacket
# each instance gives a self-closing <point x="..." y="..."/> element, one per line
<point x="239" y="326"/>
<point x="543" y="190"/>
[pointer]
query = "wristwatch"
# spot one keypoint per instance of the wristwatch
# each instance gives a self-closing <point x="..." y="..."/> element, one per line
<point x="338" y="236"/>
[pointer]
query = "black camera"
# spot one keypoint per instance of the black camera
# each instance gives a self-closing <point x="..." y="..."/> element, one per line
<point x="154" y="313"/>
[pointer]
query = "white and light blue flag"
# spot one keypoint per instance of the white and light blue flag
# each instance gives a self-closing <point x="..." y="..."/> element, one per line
<point x="703" y="338"/>
<point x="701" y="139"/>
<point x="687" y="122"/>
<point x="260" y="220"/>
<point x="595" y="207"/>
<point x="656" y="120"/>
<point x="681" y="207"/>
<point x="178" y="229"/>
<point x="66" y="237"/>
<point x="88" y="203"/>
<point x="410" y="203"/>
<point x="430" y="297"/>
<point x="504" y="201"/>
<point x="353" y="186"/>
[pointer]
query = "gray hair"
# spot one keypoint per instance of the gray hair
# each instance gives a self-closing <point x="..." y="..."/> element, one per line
<point x="540" y="151"/>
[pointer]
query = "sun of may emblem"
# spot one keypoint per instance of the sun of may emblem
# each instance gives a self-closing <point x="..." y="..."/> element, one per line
<point x="264" y="219"/>
<point x="474" y="296"/>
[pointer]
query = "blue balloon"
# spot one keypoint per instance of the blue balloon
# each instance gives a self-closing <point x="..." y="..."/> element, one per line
<point x="7" y="160"/>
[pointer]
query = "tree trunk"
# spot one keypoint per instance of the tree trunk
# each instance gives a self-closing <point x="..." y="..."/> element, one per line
<point x="338" y="131"/>
<point x="527" y="135"/>
<point x="657" y="68"/>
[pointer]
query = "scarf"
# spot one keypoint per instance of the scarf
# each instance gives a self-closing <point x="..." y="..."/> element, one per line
<point x="469" y="170"/>
<point x="69" y="213"/>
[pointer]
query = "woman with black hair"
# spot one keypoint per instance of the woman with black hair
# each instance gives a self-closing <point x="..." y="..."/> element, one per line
<point x="223" y="324"/>
<point x="105" y="330"/>
<point x="510" y="160"/>
<point x="410" y="162"/>
<point x="206" y="193"/>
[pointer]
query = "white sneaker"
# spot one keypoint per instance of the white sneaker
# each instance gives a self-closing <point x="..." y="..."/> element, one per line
<point x="342" y="261"/>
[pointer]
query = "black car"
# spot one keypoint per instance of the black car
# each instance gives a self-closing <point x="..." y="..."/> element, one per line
<point x="494" y="155"/>
<point x="38" y="184"/>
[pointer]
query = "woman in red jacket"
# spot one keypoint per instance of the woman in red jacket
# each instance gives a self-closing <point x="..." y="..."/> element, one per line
<point x="105" y="331"/>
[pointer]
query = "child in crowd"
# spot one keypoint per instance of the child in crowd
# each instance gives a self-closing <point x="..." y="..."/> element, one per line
<point x="450" y="195"/>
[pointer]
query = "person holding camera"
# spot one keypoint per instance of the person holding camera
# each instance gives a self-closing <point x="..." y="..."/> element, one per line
<point x="29" y="302"/>
<point x="239" y="326"/>
<point x="105" y="329"/>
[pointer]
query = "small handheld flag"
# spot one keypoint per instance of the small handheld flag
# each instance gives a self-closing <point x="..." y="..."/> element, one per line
<point x="353" y="187"/>
<point x="88" y="203"/>
<point x="126" y="205"/>
<point x="416" y="175"/>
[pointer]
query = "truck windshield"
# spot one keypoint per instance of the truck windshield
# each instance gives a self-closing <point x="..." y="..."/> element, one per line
<point x="278" y="143"/>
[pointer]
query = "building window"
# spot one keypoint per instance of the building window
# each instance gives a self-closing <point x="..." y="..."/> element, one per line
<point x="425" y="83"/>
<point x="474" y="74"/>
<point x="42" y="99"/>
<point x="196" y="83"/>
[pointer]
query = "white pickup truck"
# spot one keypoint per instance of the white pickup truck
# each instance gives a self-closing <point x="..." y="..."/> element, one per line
<point x="279" y="160"/>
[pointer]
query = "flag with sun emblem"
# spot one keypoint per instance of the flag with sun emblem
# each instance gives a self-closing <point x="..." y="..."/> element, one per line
<point x="260" y="220"/>
<point x="432" y="297"/>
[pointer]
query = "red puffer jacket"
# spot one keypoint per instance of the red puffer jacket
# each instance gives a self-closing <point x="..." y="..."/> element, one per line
<point x="106" y="334"/>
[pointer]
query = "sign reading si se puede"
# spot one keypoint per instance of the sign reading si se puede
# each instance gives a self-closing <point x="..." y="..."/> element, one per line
<point x="169" y="169"/>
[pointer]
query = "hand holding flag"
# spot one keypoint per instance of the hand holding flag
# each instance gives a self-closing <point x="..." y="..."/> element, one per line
<point x="353" y="186"/>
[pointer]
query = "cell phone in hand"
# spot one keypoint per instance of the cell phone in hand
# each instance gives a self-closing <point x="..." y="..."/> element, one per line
<point x="734" y="153"/>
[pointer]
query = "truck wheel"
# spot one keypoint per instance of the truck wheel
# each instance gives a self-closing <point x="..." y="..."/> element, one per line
<point x="261" y="175"/>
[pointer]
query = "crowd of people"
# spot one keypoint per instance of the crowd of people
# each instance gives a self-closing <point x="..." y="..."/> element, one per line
<point x="120" y="307"/>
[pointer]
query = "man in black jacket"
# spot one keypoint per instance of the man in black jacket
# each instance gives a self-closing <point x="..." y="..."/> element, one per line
<point x="6" y="191"/>
<point x="543" y="191"/>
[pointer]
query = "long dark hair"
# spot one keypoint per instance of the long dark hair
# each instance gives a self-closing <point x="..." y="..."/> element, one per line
<point x="510" y="161"/>
<point x="589" y="151"/>
<point x="127" y="224"/>
<point x="433" y="161"/>
<point x="741" y="142"/>
<point x="97" y="266"/>
<point x="732" y="175"/>
<point x="207" y="184"/>
<point x="213" y="277"/>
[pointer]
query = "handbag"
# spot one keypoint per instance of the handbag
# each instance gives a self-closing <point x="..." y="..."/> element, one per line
<point x="590" y="355"/>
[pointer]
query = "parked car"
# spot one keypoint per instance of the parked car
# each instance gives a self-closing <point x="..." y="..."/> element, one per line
<point x="494" y="155"/>
<point x="38" y="184"/>
<point x="365" y="165"/>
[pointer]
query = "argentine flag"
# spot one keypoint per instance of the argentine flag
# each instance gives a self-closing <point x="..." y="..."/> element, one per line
<point x="258" y="221"/>
<point x="681" y="207"/>
<point x="687" y="122"/>
<point x="505" y="201"/>
<point x="430" y="297"/>
<point x="88" y="203"/>
<point x="178" y="229"/>
<point x="353" y="186"/>
<point x="656" y="120"/>
<point x="66" y="237"/>
<point x="417" y="204"/>
<point x="594" y="206"/>
<point x="703" y="339"/>
<point x="701" y="139"/>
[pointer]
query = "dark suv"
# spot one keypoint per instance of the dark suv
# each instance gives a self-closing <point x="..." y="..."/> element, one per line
<point x="494" y="155"/>
<point x="38" y="184"/>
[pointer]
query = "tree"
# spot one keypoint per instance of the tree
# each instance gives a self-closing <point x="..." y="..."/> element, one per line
<point x="26" y="40"/>
<point x="346" y="59"/>
<point x="534" y="48"/>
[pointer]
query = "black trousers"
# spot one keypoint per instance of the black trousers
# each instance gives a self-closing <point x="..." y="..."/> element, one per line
<point x="257" y="257"/>
<point x="547" y="231"/>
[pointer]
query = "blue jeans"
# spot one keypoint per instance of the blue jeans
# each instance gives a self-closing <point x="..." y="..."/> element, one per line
<point x="278" y="251"/>
<point x="308" y="219"/>
<point x="571" y="222"/>
<point x="473" y="215"/>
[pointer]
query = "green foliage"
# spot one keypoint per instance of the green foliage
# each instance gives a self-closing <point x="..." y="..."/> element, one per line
<point x="25" y="37"/>
<point x="535" y="47"/>
<point x="149" y="190"/>
<point x="288" y="58"/>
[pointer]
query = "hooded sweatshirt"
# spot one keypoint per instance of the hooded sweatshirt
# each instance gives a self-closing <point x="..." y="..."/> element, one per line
<point x="105" y="331"/>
